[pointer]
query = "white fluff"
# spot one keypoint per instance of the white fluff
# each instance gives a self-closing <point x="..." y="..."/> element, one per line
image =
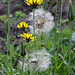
<point x="39" y="61"/>
<point x="44" y="21"/>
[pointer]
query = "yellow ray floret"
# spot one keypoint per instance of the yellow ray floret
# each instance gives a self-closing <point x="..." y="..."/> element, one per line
<point x="33" y="2"/>
<point x="28" y="37"/>
<point x="23" y="25"/>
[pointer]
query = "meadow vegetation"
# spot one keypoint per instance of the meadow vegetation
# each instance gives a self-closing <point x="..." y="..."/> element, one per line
<point x="56" y="45"/>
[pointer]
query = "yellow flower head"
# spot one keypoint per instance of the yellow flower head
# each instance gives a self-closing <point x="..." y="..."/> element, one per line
<point x="34" y="3"/>
<point x="23" y="25"/>
<point x="28" y="37"/>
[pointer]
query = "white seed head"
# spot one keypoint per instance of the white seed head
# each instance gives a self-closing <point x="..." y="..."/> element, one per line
<point x="39" y="61"/>
<point x="44" y="21"/>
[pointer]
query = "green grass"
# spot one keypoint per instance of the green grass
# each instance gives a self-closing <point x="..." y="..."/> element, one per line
<point x="47" y="42"/>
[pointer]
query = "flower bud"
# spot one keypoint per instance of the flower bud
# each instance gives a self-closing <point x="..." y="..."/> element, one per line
<point x="70" y="12"/>
<point x="6" y="24"/>
<point x="23" y="53"/>
<point x="45" y="5"/>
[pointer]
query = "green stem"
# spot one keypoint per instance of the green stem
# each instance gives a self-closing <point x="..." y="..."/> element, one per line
<point x="55" y="35"/>
<point x="71" y="25"/>
<point x="60" y="25"/>
<point x="28" y="48"/>
<point x="55" y="28"/>
<point x="11" y="70"/>
<point x="59" y="43"/>
<point x="34" y="23"/>
<point x="22" y="66"/>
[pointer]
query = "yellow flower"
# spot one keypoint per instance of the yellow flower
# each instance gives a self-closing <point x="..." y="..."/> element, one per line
<point x="23" y="25"/>
<point x="28" y="37"/>
<point x="34" y="2"/>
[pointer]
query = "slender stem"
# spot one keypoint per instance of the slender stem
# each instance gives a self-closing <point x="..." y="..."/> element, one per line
<point x="11" y="71"/>
<point x="59" y="43"/>
<point x="71" y="25"/>
<point x="55" y="35"/>
<point x="55" y="27"/>
<point x="34" y="23"/>
<point x="22" y="66"/>
<point x="27" y="51"/>
<point x="60" y="25"/>
<point x="60" y="28"/>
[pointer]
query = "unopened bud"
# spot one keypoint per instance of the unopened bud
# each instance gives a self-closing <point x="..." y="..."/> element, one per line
<point x="6" y="18"/>
<point x="70" y="12"/>
<point x="6" y="24"/>
<point x="21" y="39"/>
<point x="23" y="53"/>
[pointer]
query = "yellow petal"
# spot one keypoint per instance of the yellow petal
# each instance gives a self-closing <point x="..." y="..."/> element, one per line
<point x="31" y="2"/>
<point x="18" y="26"/>
<point x="39" y="2"/>
<point x="34" y="1"/>
<point x="22" y="35"/>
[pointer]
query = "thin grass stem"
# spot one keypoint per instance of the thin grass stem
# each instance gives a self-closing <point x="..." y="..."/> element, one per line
<point x="71" y="26"/>
<point x="59" y="43"/>
<point x="11" y="70"/>
<point x="55" y="33"/>
<point x="55" y="28"/>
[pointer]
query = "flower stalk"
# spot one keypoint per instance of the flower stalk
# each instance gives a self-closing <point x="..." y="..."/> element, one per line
<point x="59" y="43"/>
<point x="23" y="53"/>
<point x="71" y="18"/>
<point x="55" y="39"/>
<point x="55" y="28"/>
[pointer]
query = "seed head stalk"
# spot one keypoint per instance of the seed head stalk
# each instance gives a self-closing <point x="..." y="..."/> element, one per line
<point x="11" y="70"/>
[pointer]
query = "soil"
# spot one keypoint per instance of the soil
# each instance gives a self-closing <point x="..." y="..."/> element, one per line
<point x="19" y="5"/>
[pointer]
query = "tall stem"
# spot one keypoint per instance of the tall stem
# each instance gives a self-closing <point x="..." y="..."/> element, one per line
<point x="34" y="23"/>
<point x="11" y="70"/>
<point x="55" y="27"/>
<point x="59" y="43"/>
<point x="60" y="25"/>
<point x="55" y="35"/>
<point x="71" y="25"/>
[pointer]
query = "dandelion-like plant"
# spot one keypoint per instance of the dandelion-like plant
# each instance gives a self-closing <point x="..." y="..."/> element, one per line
<point x="23" y="53"/>
<point x="34" y="3"/>
<point x="28" y="37"/>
